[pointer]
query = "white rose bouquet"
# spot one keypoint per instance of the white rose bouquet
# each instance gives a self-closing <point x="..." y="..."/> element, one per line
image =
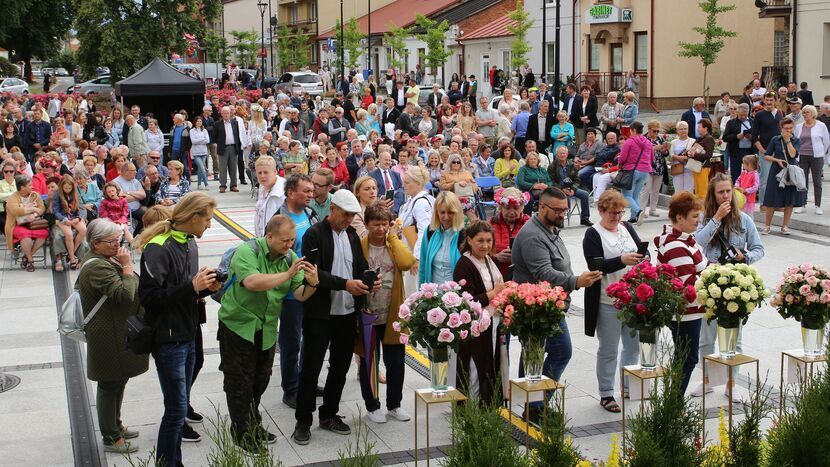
<point x="730" y="292"/>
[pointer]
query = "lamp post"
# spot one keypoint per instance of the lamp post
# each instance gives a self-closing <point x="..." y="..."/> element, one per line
<point x="262" y="6"/>
<point x="369" y="35"/>
<point x="272" y="23"/>
<point x="556" y="58"/>
<point x="544" y="41"/>
<point x="342" y="54"/>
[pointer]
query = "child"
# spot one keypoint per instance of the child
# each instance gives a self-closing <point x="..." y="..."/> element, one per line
<point x="749" y="182"/>
<point x="70" y="220"/>
<point x="114" y="207"/>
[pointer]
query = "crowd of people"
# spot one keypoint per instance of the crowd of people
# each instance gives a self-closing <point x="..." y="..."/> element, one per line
<point x="391" y="187"/>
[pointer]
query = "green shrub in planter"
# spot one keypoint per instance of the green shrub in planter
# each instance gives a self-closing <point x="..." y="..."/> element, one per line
<point x="482" y="438"/>
<point x="362" y="453"/>
<point x="553" y="448"/>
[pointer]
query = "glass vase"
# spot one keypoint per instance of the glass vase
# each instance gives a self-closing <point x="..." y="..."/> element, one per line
<point x="813" y="340"/>
<point x="648" y="349"/>
<point x="439" y="370"/>
<point x="727" y="340"/>
<point x="533" y="357"/>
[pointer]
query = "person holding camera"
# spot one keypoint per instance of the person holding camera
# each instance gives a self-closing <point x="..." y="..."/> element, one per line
<point x="330" y="317"/>
<point x="565" y="176"/>
<point x="726" y="235"/>
<point x="170" y="287"/>
<point x="262" y="272"/>
<point x="612" y="247"/>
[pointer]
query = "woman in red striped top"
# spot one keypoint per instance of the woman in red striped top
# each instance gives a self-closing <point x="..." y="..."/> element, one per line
<point x="676" y="246"/>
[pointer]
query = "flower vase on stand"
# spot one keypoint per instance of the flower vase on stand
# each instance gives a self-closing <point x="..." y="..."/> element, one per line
<point x="533" y="356"/>
<point x="439" y="369"/>
<point x="728" y="336"/>
<point x="812" y="337"/>
<point x="648" y="348"/>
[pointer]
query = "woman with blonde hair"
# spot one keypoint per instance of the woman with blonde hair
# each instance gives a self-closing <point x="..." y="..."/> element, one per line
<point x="441" y="241"/>
<point x="361" y="125"/>
<point x="171" y="285"/>
<point x="680" y="153"/>
<point x="174" y="187"/>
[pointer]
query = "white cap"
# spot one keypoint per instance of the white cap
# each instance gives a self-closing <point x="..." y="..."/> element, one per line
<point x="346" y="200"/>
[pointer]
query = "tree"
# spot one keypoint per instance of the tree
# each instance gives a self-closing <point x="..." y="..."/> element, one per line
<point x="301" y="48"/>
<point x="285" y="56"/>
<point x="35" y="29"/>
<point x="396" y="40"/>
<point x="519" y="48"/>
<point x="353" y="43"/>
<point x="434" y="35"/>
<point x="125" y="35"/>
<point x="215" y="47"/>
<point x="246" y="45"/>
<point x="713" y="34"/>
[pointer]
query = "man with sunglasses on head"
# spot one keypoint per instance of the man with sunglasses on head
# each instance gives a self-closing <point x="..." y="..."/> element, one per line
<point x="539" y="254"/>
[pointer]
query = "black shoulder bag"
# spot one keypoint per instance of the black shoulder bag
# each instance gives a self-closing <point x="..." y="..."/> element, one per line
<point x="625" y="178"/>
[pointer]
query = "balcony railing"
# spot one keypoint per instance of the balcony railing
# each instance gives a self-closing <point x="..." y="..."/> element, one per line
<point x="776" y="76"/>
<point x="601" y="83"/>
<point x="774" y="8"/>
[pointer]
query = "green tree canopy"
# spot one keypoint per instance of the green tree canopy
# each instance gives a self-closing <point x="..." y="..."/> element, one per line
<point x="125" y="35"/>
<point x="35" y="29"/>
<point x="519" y="48"/>
<point x="245" y="47"/>
<point x="396" y="39"/>
<point x="435" y="36"/>
<point x="713" y="34"/>
<point x="215" y="47"/>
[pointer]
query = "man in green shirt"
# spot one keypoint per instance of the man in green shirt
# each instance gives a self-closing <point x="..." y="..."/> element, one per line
<point x="323" y="180"/>
<point x="261" y="273"/>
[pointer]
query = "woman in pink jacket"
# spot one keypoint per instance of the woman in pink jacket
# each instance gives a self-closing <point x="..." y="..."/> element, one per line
<point x="636" y="154"/>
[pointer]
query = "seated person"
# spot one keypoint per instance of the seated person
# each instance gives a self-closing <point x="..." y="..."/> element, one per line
<point x="586" y="155"/>
<point x="564" y="175"/>
<point x="132" y="190"/>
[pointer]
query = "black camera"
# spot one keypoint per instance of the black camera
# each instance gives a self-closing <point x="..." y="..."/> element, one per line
<point x="567" y="182"/>
<point x="221" y="276"/>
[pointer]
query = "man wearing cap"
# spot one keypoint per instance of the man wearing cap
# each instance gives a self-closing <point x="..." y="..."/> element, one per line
<point x="795" y="111"/>
<point x="329" y="319"/>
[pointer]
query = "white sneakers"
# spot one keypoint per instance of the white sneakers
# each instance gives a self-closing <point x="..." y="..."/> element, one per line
<point x="379" y="417"/>
<point x="819" y="211"/>
<point x="736" y="394"/>
<point x="698" y="391"/>
<point x="798" y="210"/>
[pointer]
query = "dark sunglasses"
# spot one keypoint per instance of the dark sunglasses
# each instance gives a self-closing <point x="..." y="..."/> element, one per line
<point x="8" y="171"/>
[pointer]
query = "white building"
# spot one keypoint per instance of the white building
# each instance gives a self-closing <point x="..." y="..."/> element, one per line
<point x="812" y="47"/>
<point x="569" y="37"/>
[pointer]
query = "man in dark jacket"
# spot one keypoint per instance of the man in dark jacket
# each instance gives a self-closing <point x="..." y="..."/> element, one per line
<point x="404" y="122"/>
<point x="399" y="96"/>
<point x="694" y="115"/>
<point x="229" y="146"/>
<point x="180" y="143"/>
<point x="390" y="113"/>
<point x="539" y="126"/>
<point x="738" y="137"/>
<point x="330" y="317"/>
<point x="38" y="133"/>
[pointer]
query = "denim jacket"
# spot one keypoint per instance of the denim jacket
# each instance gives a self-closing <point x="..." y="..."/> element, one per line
<point x="746" y="240"/>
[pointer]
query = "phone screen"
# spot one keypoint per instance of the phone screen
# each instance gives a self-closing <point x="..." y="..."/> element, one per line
<point x="390" y="194"/>
<point x="595" y="264"/>
<point x="642" y="248"/>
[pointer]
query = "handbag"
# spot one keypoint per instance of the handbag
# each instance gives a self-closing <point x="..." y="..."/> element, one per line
<point x="694" y="165"/>
<point x="138" y="335"/>
<point x="625" y="178"/>
<point x="677" y="169"/>
<point x="466" y="190"/>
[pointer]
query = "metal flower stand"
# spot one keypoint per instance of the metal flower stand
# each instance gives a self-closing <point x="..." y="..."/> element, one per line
<point x="729" y="363"/>
<point x="531" y="391"/>
<point x="426" y="397"/>
<point x="805" y="368"/>
<point x="637" y="372"/>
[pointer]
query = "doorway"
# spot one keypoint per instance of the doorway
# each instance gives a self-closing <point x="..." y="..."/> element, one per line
<point x="616" y="67"/>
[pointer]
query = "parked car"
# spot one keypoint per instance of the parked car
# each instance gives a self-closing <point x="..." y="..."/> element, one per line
<point x="99" y="85"/>
<point x="423" y="96"/>
<point x="14" y="86"/>
<point x="299" y="81"/>
<point x="102" y="70"/>
<point x="61" y="72"/>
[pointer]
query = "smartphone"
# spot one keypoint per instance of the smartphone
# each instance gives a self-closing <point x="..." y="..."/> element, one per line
<point x="390" y="194"/>
<point x="595" y="264"/>
<point x="312" y="256"/>
<point x="642" y="248"/>
<point x="369" y="277"/>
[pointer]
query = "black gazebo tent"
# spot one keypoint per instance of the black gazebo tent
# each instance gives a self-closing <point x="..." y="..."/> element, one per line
<point x="162" y="90"/>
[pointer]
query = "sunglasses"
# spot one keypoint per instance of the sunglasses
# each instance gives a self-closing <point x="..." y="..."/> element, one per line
<point x="8" y="171"/>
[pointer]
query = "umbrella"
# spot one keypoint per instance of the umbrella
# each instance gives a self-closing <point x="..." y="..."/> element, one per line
<point x="371" y="352"/>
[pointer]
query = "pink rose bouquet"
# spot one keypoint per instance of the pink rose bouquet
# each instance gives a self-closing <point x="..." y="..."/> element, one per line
<point x="531" y="310"/>
<point x="804" y="294"/>
<point x="649" y="296"/>
<point x="440" y="315"/>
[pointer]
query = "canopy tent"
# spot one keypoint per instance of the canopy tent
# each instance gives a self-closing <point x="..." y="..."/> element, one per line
<point x="160" y="89"/>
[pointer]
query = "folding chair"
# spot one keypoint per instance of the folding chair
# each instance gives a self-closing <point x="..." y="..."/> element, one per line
<point x="487" y="183"/>
<point x="573" y="205"/>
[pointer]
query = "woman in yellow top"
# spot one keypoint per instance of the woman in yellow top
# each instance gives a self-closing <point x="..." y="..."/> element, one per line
<point x="7" y="187"/>
<point x="456" y="177"/>
<point x="506" y="167"/>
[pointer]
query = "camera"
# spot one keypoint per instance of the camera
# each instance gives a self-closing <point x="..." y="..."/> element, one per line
<point x="221" y="276"/>
<point x="567" y="182"/>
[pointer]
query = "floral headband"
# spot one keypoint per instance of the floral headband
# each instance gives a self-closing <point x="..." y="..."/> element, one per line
<point x="502" y="200"/>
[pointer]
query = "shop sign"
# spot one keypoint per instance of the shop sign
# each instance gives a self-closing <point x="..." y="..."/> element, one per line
<point x="599" y="14"/>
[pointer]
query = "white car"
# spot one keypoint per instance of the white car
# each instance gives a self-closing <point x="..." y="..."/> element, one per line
<point x="300" y="82"/>
<point x="14" y="86"/>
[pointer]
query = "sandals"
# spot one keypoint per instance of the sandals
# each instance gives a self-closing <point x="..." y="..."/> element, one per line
<point x="73" y="265"/>
<point x="29" y="266"/>
<point x="609" y="404"/>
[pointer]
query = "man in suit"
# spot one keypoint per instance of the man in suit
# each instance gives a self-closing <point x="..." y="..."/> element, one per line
<point x="399" y="96"/>
<point x="694" y="115"/>
<point x="404" y="122"/>
<point x="387" y="179"/>
<point x="539" y="126"/>
<point x="584" y="114"/>
<point x="571" y="101"/>
<point x="229" y="147"/>
<point x="434" y="99"/>
<point x="390" y="113"/>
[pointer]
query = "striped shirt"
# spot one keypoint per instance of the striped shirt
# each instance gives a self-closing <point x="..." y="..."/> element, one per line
<point x="680" y="250"/>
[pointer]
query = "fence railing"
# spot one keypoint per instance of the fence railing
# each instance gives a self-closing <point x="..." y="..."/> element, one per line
<point x="776" y="76"/>
<point x="601" y="83"/>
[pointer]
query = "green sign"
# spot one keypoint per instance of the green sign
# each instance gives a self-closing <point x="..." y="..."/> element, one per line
<point x="601" y="11"/>
<point x="599" y="14"/>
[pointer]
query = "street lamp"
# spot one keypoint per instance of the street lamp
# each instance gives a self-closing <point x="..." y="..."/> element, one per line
<point x="274" y="23"/>
<point x="342" y="55"/>
<point x="262" y="5"/>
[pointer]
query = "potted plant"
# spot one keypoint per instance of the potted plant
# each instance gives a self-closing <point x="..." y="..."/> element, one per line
<point x="532" y="312"/>
<point x="648" y="297"/>
<point x="439" y="317"/>
<point x="730" y="292"/>
<point x="804" y="294"/>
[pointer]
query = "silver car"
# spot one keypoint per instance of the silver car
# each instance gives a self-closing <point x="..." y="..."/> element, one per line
<point x="14" y="86"/>
<point x="99" y="85"/>
<point x="300" y="82"/>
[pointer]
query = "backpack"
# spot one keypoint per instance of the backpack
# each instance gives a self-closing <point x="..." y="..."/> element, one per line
<point x="72" y="321"/>
<point x="225" y="266"/>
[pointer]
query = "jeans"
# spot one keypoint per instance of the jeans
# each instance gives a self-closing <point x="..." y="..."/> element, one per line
<point x="586" y="175"/>
<point x="558" y="350"/>
<point x="227" y="167"/>
<point x="335" y="334"/>
<point x="393" y="359"/>
<point x="812" y="165"/>
<point x="651" y="192"/>
<point x="633" y="195"/>
<point x="201" y="172"/>
<point x="686" y="336"/>
<point x="290" y="338"/>
<point x="584" y="206"/>
<point x="708" y="334"/>
<point x="108" y="400"/>
<point x="609" y="333"/>
<point x="174" y="364"/>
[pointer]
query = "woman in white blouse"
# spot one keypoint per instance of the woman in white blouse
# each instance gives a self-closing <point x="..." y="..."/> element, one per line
<point x="814" y="144"/>
<point x="155" y="138"/>
<point x="416" y="212"/>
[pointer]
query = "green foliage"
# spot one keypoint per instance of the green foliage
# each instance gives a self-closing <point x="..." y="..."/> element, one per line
<point x="7" y="68"/>
<point x="301" y="48"/>
<point x="666" y="432"/>
<point x="745" y="441"/>
<point x="362" y="453"/>
<point x="435" y="36"/>
<point x="800" y="436"/>
<point x="149" y="461"/>
<point x="125" y="35"/>
<point x="482" y="438"/>
<point x="246" y="45"/>
<point x="225" y="452"/>
<point x="352" y="41"/>
<point x="520" y="47"/>
<point x="216" y="48"/>
<point x="65" y="59"/>
<point x="553" y="448"/>
<point x="713" y="35"/>
<point x="396" y="40"/>
<point x="35" y="29"/>
<point x="284" y="53"/>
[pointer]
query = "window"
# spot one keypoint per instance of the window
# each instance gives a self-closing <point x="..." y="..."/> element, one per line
<point x="506" y="55"/>
<point x="485" y="68"/>
<point x="550" y="59"/>
<point x="825" y="53"/>
<point x="313" y="10"/>
<point x="292" y="11"/>
<point x="422" y="53"/>
<point x="593" y="55"/>
<point x="781" y="49"/>
<point x="641" y="51"/>
<point x="313" y="54"/>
